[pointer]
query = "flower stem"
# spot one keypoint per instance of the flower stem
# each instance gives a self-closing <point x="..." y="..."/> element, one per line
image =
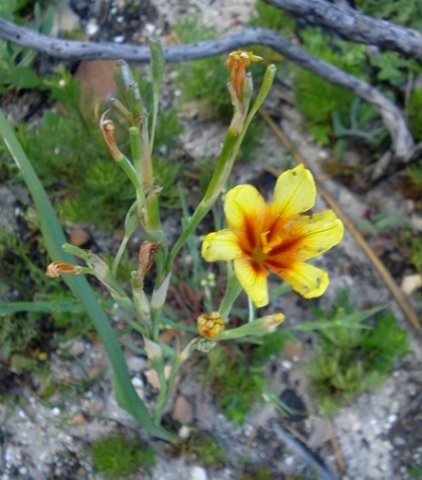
<point x="233" y="290"/>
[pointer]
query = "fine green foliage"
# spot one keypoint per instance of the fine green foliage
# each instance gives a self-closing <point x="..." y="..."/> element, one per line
<point x="17" y="63"/>
<point x="271" y="17"/>
<point x="261" y="473"/>
<point x="237" y="376"/>
<point x="414" y="173"/>
<point x="416" y="256"/>
<point x="392" y="69"/>
<point x="403" y="12"/>
<point x="352" y="357"/>
<point x="118" y="456"/>
<point x="381" y="222"/>
<point x="204" y="448"/>
<point x="414" y="112"/>
<point x="317" y="98"/>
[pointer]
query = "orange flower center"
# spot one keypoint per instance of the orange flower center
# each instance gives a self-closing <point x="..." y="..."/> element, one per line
<point x="262" y="250"/>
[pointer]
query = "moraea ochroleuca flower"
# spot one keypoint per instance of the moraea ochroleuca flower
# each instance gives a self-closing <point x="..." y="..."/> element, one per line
<point x="275" y="237"/>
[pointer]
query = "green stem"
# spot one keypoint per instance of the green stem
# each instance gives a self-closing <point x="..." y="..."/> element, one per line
<point x="167" y="387"/>
<point x="251" y="309"/>
<point x="136" y="150"/>
<point x="219" y="178"/>
<point x="119" y="255"/>
<point x="233" y="289"/>
<point x="129" y="170"/>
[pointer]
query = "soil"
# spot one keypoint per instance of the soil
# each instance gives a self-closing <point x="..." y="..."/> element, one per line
<point x="376" y="437"/>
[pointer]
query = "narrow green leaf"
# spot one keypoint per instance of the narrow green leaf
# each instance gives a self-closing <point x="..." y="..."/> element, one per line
<point x="157" y="70"/>
<point x="353" y="320"/>
<point x="52" y="306"/>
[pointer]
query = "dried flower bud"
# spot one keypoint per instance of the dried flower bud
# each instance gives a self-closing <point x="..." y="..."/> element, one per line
<point x="146" y="256"/>
<point x="210" y="325"/>
<point x="237" y="62"/>
<point x="107" y="128"/>
<point x="55" y="269"/>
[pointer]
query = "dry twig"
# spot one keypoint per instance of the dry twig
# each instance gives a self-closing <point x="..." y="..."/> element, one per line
<point x="350" y="24"/>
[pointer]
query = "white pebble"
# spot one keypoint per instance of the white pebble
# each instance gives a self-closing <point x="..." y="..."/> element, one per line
<point x="137" y="382"/>
<point x="149" y="28"/>
<point x="392" y="418"/>
<point x="92" y="27"/>
<point x="286" y="364"/>
<point x="55" y="411"/>
<point x="198" y="473"/>
<point x="184" y="432"/>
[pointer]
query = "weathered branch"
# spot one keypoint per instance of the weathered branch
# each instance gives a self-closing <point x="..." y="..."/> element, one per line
<point x="402" y="141"/>
<point x="350" y="24"/>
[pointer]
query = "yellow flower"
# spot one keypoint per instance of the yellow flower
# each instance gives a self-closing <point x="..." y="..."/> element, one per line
<point x="275" y="237"/>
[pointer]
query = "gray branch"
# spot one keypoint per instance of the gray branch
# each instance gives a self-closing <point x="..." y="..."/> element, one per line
<point x="402" y="141"/>
<point x="350" y="24"/>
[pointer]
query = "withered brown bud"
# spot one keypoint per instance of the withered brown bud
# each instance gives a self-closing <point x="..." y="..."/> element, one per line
<point x="146" y="256"/>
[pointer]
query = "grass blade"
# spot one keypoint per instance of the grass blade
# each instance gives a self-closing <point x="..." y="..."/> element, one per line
<point x="157" y="70"/>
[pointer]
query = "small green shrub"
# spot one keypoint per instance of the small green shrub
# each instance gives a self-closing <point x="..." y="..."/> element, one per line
<point x="261" y="473"/>
<point x="414" y="112"/>
<point x="237" y="377"/>
<point x="118" y="456"/>
<point x="17" y="63"/>
<point x="202" y="447"/>
<point x="416" y="256"/>
<point x="351" y="356"/>
<point x="414" y="173"/>
<point x="271" y="17"/>
<point x="404" y="12"/>
<point x="317" y="98"/>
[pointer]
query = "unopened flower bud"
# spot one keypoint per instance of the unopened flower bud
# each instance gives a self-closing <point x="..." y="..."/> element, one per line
<point x="271" y="322"/>
<point x="257" y="328"/>
<point x="55" y="269"/>
<point x="210" y="325"/>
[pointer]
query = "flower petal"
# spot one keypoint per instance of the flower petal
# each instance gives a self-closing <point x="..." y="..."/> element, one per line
<point x="253" y="278"/>
<point x="308" y="237"/>
<point x="220" y="246"/>
<point x="243" y="206"/>
<point x="305" y="279"/>
<point x="322" y="231"/>
<point x="294" y="192"/>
